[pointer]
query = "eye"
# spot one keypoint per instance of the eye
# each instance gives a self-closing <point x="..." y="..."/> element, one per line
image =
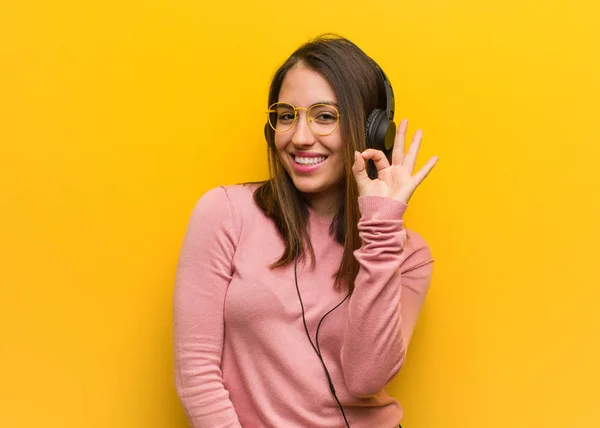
<point x="324" y="114"/>
<point x="285" y="117"/>
<point x="326" y="117"/>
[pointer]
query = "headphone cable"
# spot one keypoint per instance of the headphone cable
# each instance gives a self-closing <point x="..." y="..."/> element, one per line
<point x="317" y="349"/>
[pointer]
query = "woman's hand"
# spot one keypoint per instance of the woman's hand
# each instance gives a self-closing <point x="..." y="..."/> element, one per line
<point x="396" y="180"/>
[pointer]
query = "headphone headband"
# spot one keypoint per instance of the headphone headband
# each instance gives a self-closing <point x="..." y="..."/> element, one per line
<point x="390" y="102"/>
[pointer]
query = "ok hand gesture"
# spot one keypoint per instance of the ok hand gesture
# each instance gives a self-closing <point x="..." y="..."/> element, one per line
<point x="396" y="180"/>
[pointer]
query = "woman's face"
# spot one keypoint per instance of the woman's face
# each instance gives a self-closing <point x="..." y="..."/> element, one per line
<point x="314" y="162"/>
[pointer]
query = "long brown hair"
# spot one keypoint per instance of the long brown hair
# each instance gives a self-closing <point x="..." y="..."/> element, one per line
<point x="356" y="81"/>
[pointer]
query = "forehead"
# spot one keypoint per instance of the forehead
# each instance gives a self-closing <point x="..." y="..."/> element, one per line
<point x="304" y="87"/>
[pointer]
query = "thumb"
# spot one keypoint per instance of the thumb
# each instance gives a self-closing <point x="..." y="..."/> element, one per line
<point x="359" y="169"/>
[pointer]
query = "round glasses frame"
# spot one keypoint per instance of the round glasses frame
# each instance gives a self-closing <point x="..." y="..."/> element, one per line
<point x="308" y="117"/>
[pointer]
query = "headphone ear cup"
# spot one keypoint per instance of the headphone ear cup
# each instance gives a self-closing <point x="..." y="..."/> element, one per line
<point x="370" y="125"/>
<point x="376" y="129"/>
<point x="381" y="131"/>
<point x="389" y="135"/>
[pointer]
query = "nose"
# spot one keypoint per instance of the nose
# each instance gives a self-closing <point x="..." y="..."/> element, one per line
<point x="303" y="134"/>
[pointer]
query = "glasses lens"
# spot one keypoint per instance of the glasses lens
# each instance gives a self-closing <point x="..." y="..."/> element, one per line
<point x="282" y="116"/>
<point x="323" y="118"/>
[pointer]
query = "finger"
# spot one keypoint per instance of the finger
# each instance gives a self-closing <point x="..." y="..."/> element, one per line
<point x="359" y="170"/>
<point x="424" y="172"/>
<point x="378" y="157"/>
<point x="411" y="156"/>
<point x="398" y="151"/>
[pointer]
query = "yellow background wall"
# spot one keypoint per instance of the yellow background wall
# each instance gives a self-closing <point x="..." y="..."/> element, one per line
<point x="116" y="116"/>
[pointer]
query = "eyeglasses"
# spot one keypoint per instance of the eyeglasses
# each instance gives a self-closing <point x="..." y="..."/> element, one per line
<point x="323" y="119"/>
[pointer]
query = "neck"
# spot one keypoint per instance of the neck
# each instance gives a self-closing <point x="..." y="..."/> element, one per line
<point x="324" y="204"/>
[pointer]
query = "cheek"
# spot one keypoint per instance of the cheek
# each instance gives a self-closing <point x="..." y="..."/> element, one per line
<point x="336" y="146"/>
<point x="280" y="146"/>
<point x="280" y="142"/>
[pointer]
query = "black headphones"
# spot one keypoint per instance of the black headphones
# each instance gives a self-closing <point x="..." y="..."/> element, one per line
<point x="380" y="129"/>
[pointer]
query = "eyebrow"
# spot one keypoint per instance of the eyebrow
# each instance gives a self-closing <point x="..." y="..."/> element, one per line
<point x="332" y="103"/>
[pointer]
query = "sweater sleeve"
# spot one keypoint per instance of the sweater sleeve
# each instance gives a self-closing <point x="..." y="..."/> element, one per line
<point x="389" y="292"/>
<point x="203" y="275"/>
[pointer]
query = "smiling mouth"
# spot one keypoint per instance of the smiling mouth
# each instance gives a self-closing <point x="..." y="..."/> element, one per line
<point x="302" y="160"/>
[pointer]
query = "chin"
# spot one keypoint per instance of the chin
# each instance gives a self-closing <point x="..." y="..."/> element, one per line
<point x="308" y="189"/>
<point x="311" y="188"/>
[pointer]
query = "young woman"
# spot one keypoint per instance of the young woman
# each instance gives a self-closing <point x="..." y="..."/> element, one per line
<point x="296" y="298"/>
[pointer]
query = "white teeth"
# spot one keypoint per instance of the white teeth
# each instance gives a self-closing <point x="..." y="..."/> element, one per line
<point x="309" y="161"/>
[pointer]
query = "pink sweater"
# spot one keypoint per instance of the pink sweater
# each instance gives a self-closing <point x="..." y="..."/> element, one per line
<point x="241" y="353"/>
